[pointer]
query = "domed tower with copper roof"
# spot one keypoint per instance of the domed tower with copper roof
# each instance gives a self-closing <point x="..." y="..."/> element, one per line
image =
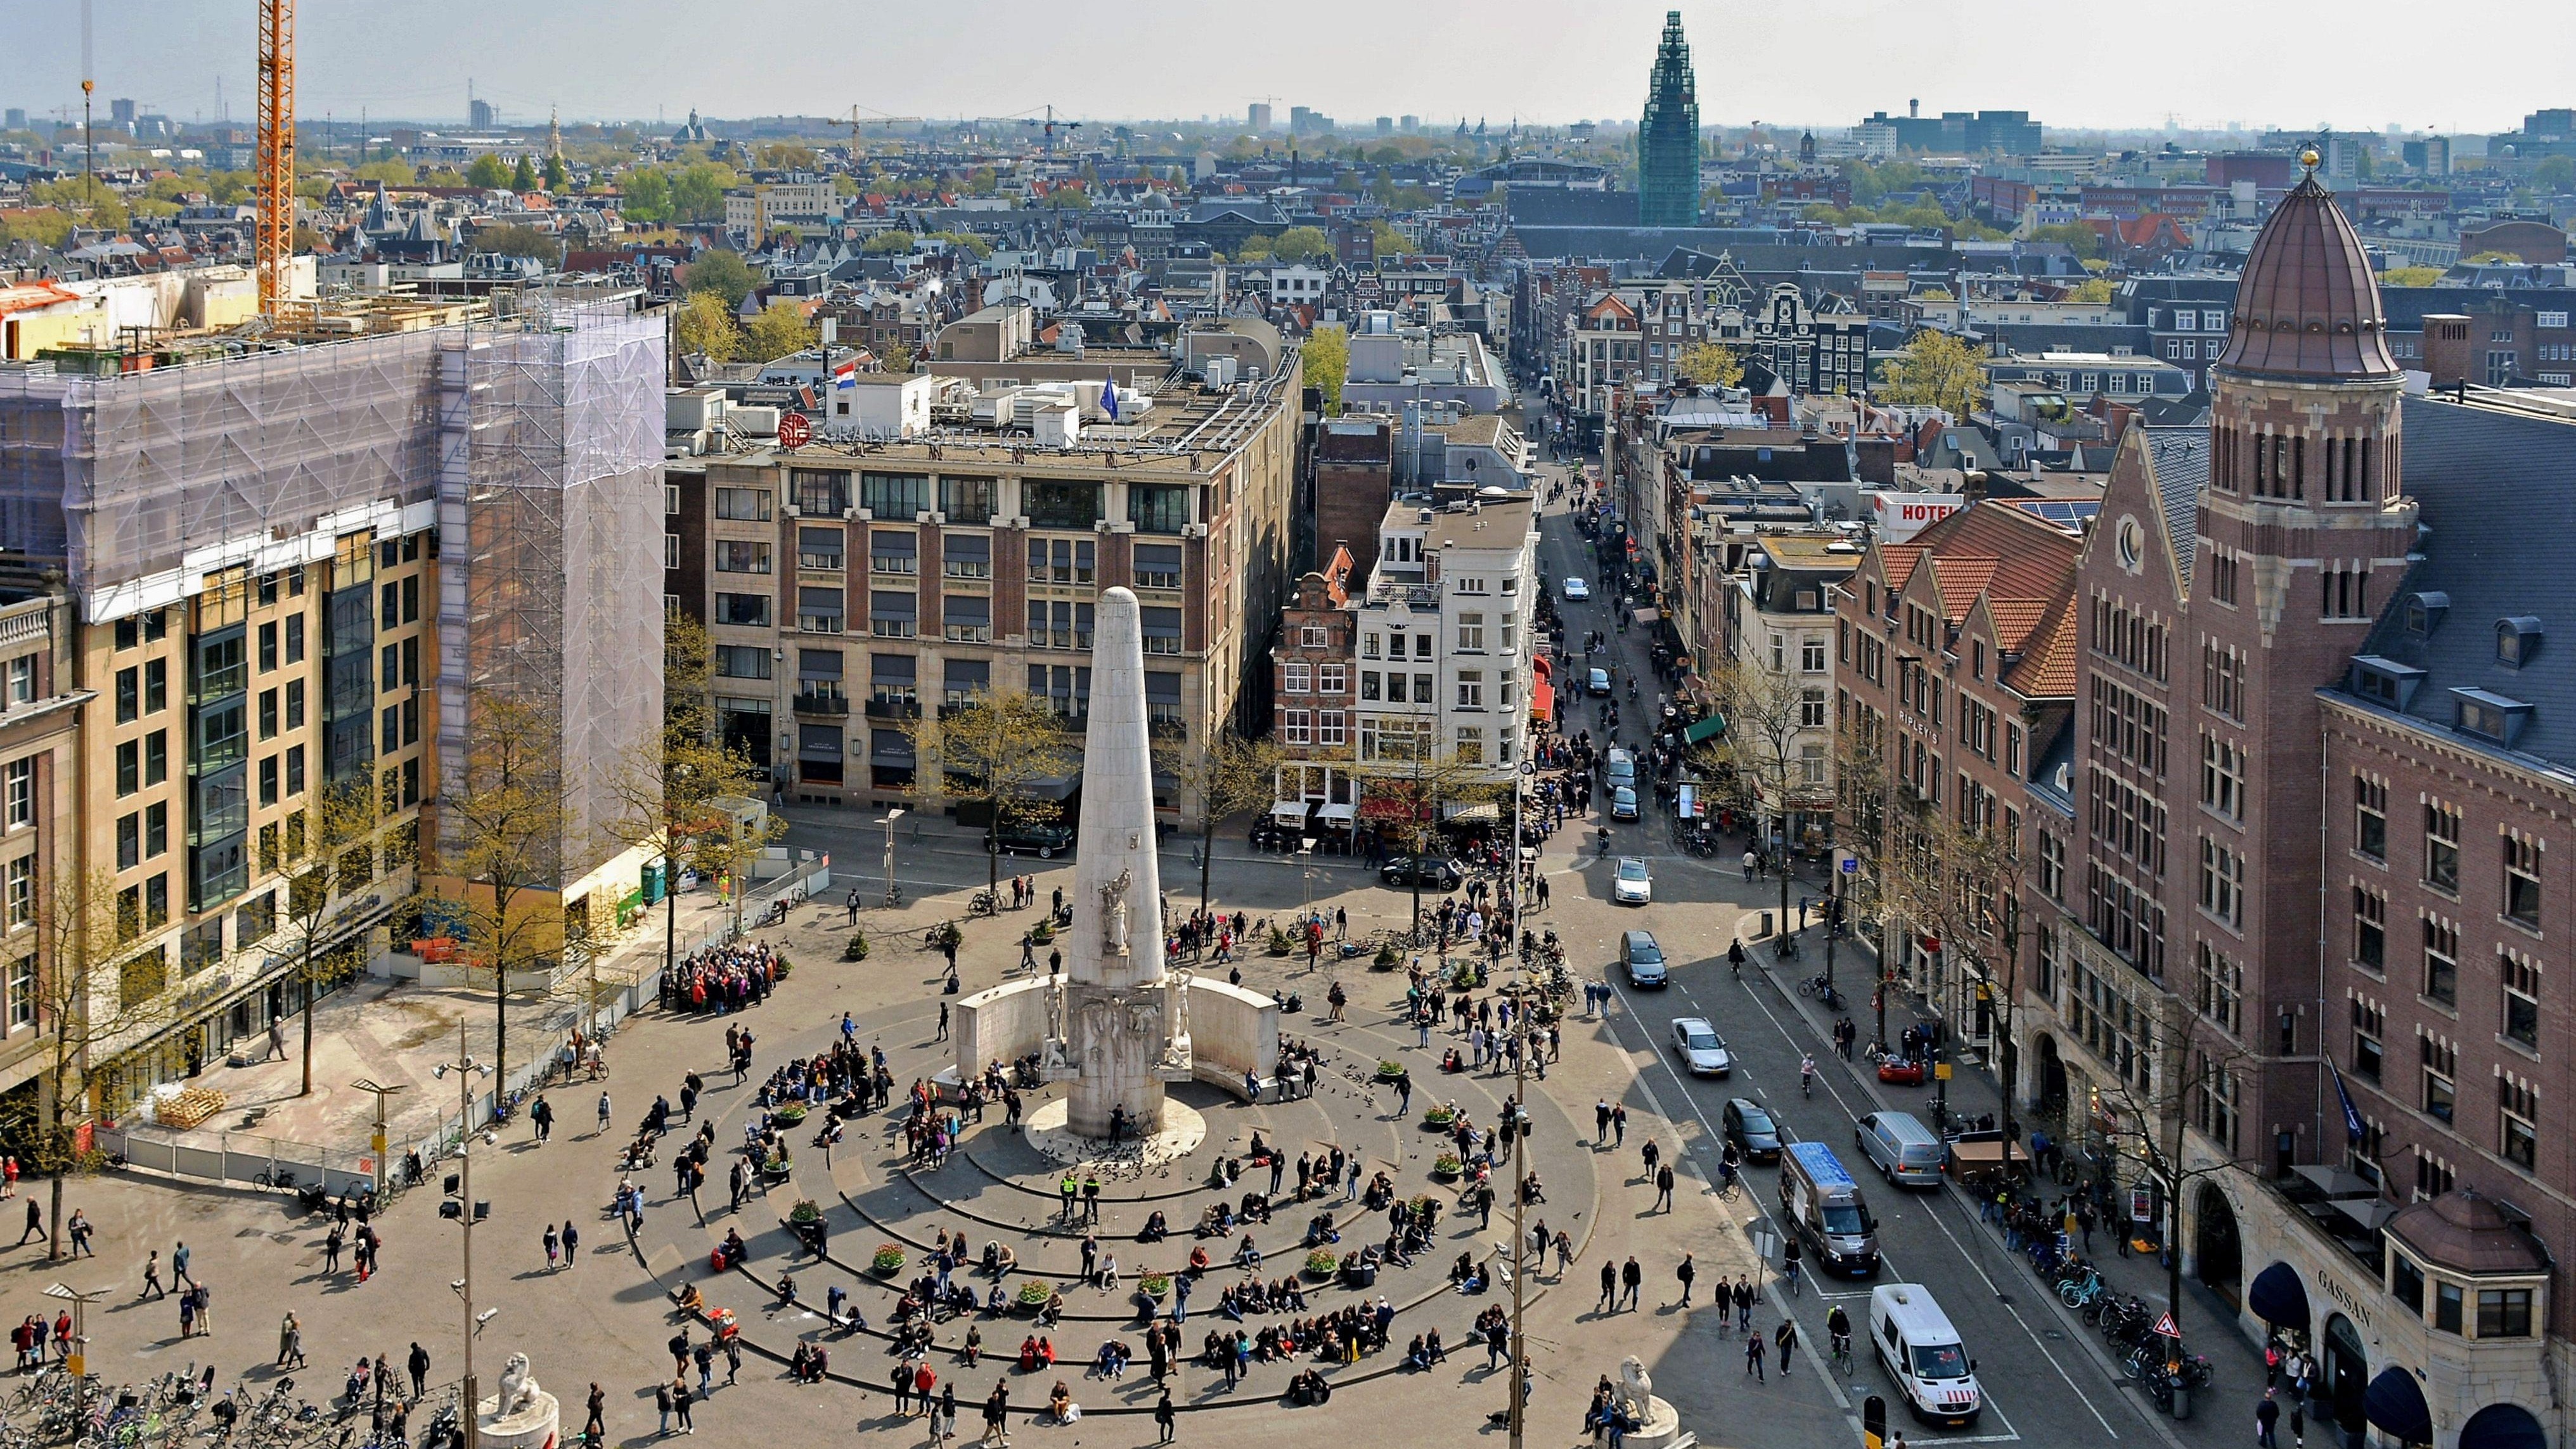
<point x="2303" y="536"/>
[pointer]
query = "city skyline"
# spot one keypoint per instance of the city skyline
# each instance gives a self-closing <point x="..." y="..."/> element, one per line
<point x="593" y="61"/>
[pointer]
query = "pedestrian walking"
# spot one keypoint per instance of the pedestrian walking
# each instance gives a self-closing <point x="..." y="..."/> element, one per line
<point x="603" y="1115"/>
<point x="1686" y="1272"/>
<point x="554" y="1248"/>
<point x="35" y="1223"/>
<point x="1609" y="1286"/>
<point x="543" y="1115"/>
<point x="290" y="1341"/>
<point x="1632" y="1280"/>
<point x="1165" y="1421"/>
<point x="1754" y="1360"/>
<point x="152" y="1277"/>
<point x="418" y="1363"/>
<point x="662" y="1406"/>
<point x="2267" y="1422"/>
<point x="179" y="1264"/>
<point x="943" y="1009"/>
<point x="80" y="1230"/>
<point x="1785" y="1339"/>
<point x="1664" y="1187"/>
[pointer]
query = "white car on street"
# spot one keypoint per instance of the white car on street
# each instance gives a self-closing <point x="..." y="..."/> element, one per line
<point x="1633" y="884"/>
<point x="1700" y="1048"/>
<point x="1577" y="589"/>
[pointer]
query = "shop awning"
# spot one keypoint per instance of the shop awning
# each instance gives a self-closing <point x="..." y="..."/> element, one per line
<point x="1338" y="811"/>
<point x="2395" y="1405"/>
<point x="1644" y="616"/>
<point x="1543" y="700"/>
<point x="1706" y="729"/>
<point x="2502" y="1426"/>
<point x="2277" y="1296"/>
<point x="1484" y="814"/>
<point x="1289" y="812"/>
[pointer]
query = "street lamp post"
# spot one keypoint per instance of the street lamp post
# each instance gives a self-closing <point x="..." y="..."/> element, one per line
<point x="376" y="1141"/>
<point x="77" y="1358"/>
<point x="468" y="1071"/>
<point x="891" y="899"/>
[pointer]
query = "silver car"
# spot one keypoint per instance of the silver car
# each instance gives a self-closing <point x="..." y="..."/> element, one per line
<point x="1633" y="885"/>
<point x="1700" y="1047"/>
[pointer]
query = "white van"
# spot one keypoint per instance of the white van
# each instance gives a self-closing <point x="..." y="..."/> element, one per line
<point x="1923" y="1354"/>
<point x="1907" y="1153"/>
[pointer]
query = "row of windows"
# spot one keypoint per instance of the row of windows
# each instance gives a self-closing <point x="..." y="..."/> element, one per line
<point x="2128" y="637"/>
<point x="2128" y="726"/>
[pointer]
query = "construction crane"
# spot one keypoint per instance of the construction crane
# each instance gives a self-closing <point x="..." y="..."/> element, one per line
<point x="856" y="121"/>
<point x="274" y="247"/>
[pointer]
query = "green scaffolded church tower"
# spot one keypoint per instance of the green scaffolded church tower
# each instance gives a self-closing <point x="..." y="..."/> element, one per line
<point x="1668" y="136"/>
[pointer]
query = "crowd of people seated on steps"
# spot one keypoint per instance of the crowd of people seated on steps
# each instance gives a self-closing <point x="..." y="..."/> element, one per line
<point x="1341" y="1336"/>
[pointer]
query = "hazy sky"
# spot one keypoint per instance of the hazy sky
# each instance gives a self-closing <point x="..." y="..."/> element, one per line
<point x="2360" y="64"/>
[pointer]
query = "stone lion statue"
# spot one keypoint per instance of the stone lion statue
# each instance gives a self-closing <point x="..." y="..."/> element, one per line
<point x="518" y="1388"/>
<point x="1636" y="1387"/>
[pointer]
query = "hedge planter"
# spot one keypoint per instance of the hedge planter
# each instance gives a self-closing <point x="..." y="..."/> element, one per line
<point x="805" y="1211"/>
<point x="1155" y="1286"/>
<point x="1388" y="958"/>
<point x="856" y="949"/>
<point x="1280" y="943"/>
<point x="889" y="1260"/>
<point x="1440" y="1119"/>
<point x="789" y="1115"/>
<point x="1447" y="1166"/>
<point x="1323" y="1263"/>
<point x="1034" y="1296"/>
<point x="1388" y="1070"/>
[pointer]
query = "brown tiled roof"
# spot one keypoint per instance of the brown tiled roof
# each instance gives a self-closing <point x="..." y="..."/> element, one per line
<point x="2307" y="305"/>
<point x="2046" y="669"/>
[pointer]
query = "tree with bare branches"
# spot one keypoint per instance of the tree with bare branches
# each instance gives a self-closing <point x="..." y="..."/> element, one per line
<point x="502" y="837"/>
<point x="673" y="788"/>
<point x="95" y="995"/>
<point x="2187" y="1077"/>
<point x="1764" y="739"/>
<point x="1410" y="783"/>
<point x="1231" y="775"/>
<point x="329" y="851"/>
<point x="993" y="750"/>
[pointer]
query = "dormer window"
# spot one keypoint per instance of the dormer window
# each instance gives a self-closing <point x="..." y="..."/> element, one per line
<point x="2424" y="612"/>
<point x="2517" y="641"/>
<point x="2385" y="681"/>
<point x="2489" y="715"/>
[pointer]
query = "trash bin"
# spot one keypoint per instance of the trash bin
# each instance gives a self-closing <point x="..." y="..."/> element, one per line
<point x="1766" y="927"/>
<point x="2181" y="1396"/>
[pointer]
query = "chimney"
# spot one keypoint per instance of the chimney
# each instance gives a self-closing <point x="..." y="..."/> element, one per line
<point x="1913" y="108"/>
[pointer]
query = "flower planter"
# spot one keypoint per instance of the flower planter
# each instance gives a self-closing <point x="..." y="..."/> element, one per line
<point x="789" y="1115"/>
<point x="1447" y="1166"/>
<point x="1388" y="1071"/>
<point x="1155" y="1286"/>
<point x="1440" y="1119"/>
<point x="1033" y="1296"/>
<point x="1323" y="1263"/>
<point x="889" y="1260"/>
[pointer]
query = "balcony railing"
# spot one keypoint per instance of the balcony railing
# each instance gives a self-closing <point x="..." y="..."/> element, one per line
<point x="822" y="704"/>
<point x="893" y="707"/>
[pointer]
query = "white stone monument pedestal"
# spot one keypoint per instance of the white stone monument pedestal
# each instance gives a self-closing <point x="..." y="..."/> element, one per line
<point x="1660" y="1427"/>
<point x="536" y="1425"/>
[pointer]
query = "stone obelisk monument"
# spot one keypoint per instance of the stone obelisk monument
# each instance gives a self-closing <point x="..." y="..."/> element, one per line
<point x="1114" y="998"/>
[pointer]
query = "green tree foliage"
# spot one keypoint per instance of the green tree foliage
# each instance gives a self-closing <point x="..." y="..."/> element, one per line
<point x="487" y="172"/>
<point x="2083" y="240"/>
<point x="1069" y="198"/>
<point x="724" y="273"/>
<point x="705" y="326"/>
<point x="780" y="329"/>
<point x="2094" y="291"/>
<point x="1388" y="241"/>
<point x="697" y="193"/>
<point x="1327" y="357"/>
<point x="512" y="240"/>
<point x="1937" y="370"/>
<point x="647" y="197"/>
<point x="1301" y="244"/>
<point x="886" y="243"/>
<point x="2410" y="276"/>
<point x="555" y="174"/>
<point x="523" y="177"/>
<point x="391" y="173"/>
<point x="784" y="156"/>
<point x="995" y="751"/>
<point x="2555" y="174"/>
<point x="965" y="241"/>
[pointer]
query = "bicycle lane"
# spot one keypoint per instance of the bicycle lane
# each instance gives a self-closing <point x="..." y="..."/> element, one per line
<point x="2237" y="1362"/>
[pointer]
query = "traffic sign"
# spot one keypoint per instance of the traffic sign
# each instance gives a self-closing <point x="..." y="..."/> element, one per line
<point x="1765" y="1243"/>
<point x="2167" y="1327"/>
<point x="1851" y="865"/>
<point x="794" y="430"/>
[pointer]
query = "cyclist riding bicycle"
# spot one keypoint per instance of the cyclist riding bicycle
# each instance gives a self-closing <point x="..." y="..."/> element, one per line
<point x="1727" y="1163"/>
<point x="1807" y="1074"/>
<point x="1735" y="957"/>
<point x="1838" y="1331"/>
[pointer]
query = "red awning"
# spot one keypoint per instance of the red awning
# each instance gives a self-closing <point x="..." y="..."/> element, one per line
<point x="1543" y="701"/>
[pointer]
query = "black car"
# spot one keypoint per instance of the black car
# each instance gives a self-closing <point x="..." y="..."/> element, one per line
<point x="1425" y="870"/>
<point x="1043" y="841"/>
<point x="1750" y="1128"/>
